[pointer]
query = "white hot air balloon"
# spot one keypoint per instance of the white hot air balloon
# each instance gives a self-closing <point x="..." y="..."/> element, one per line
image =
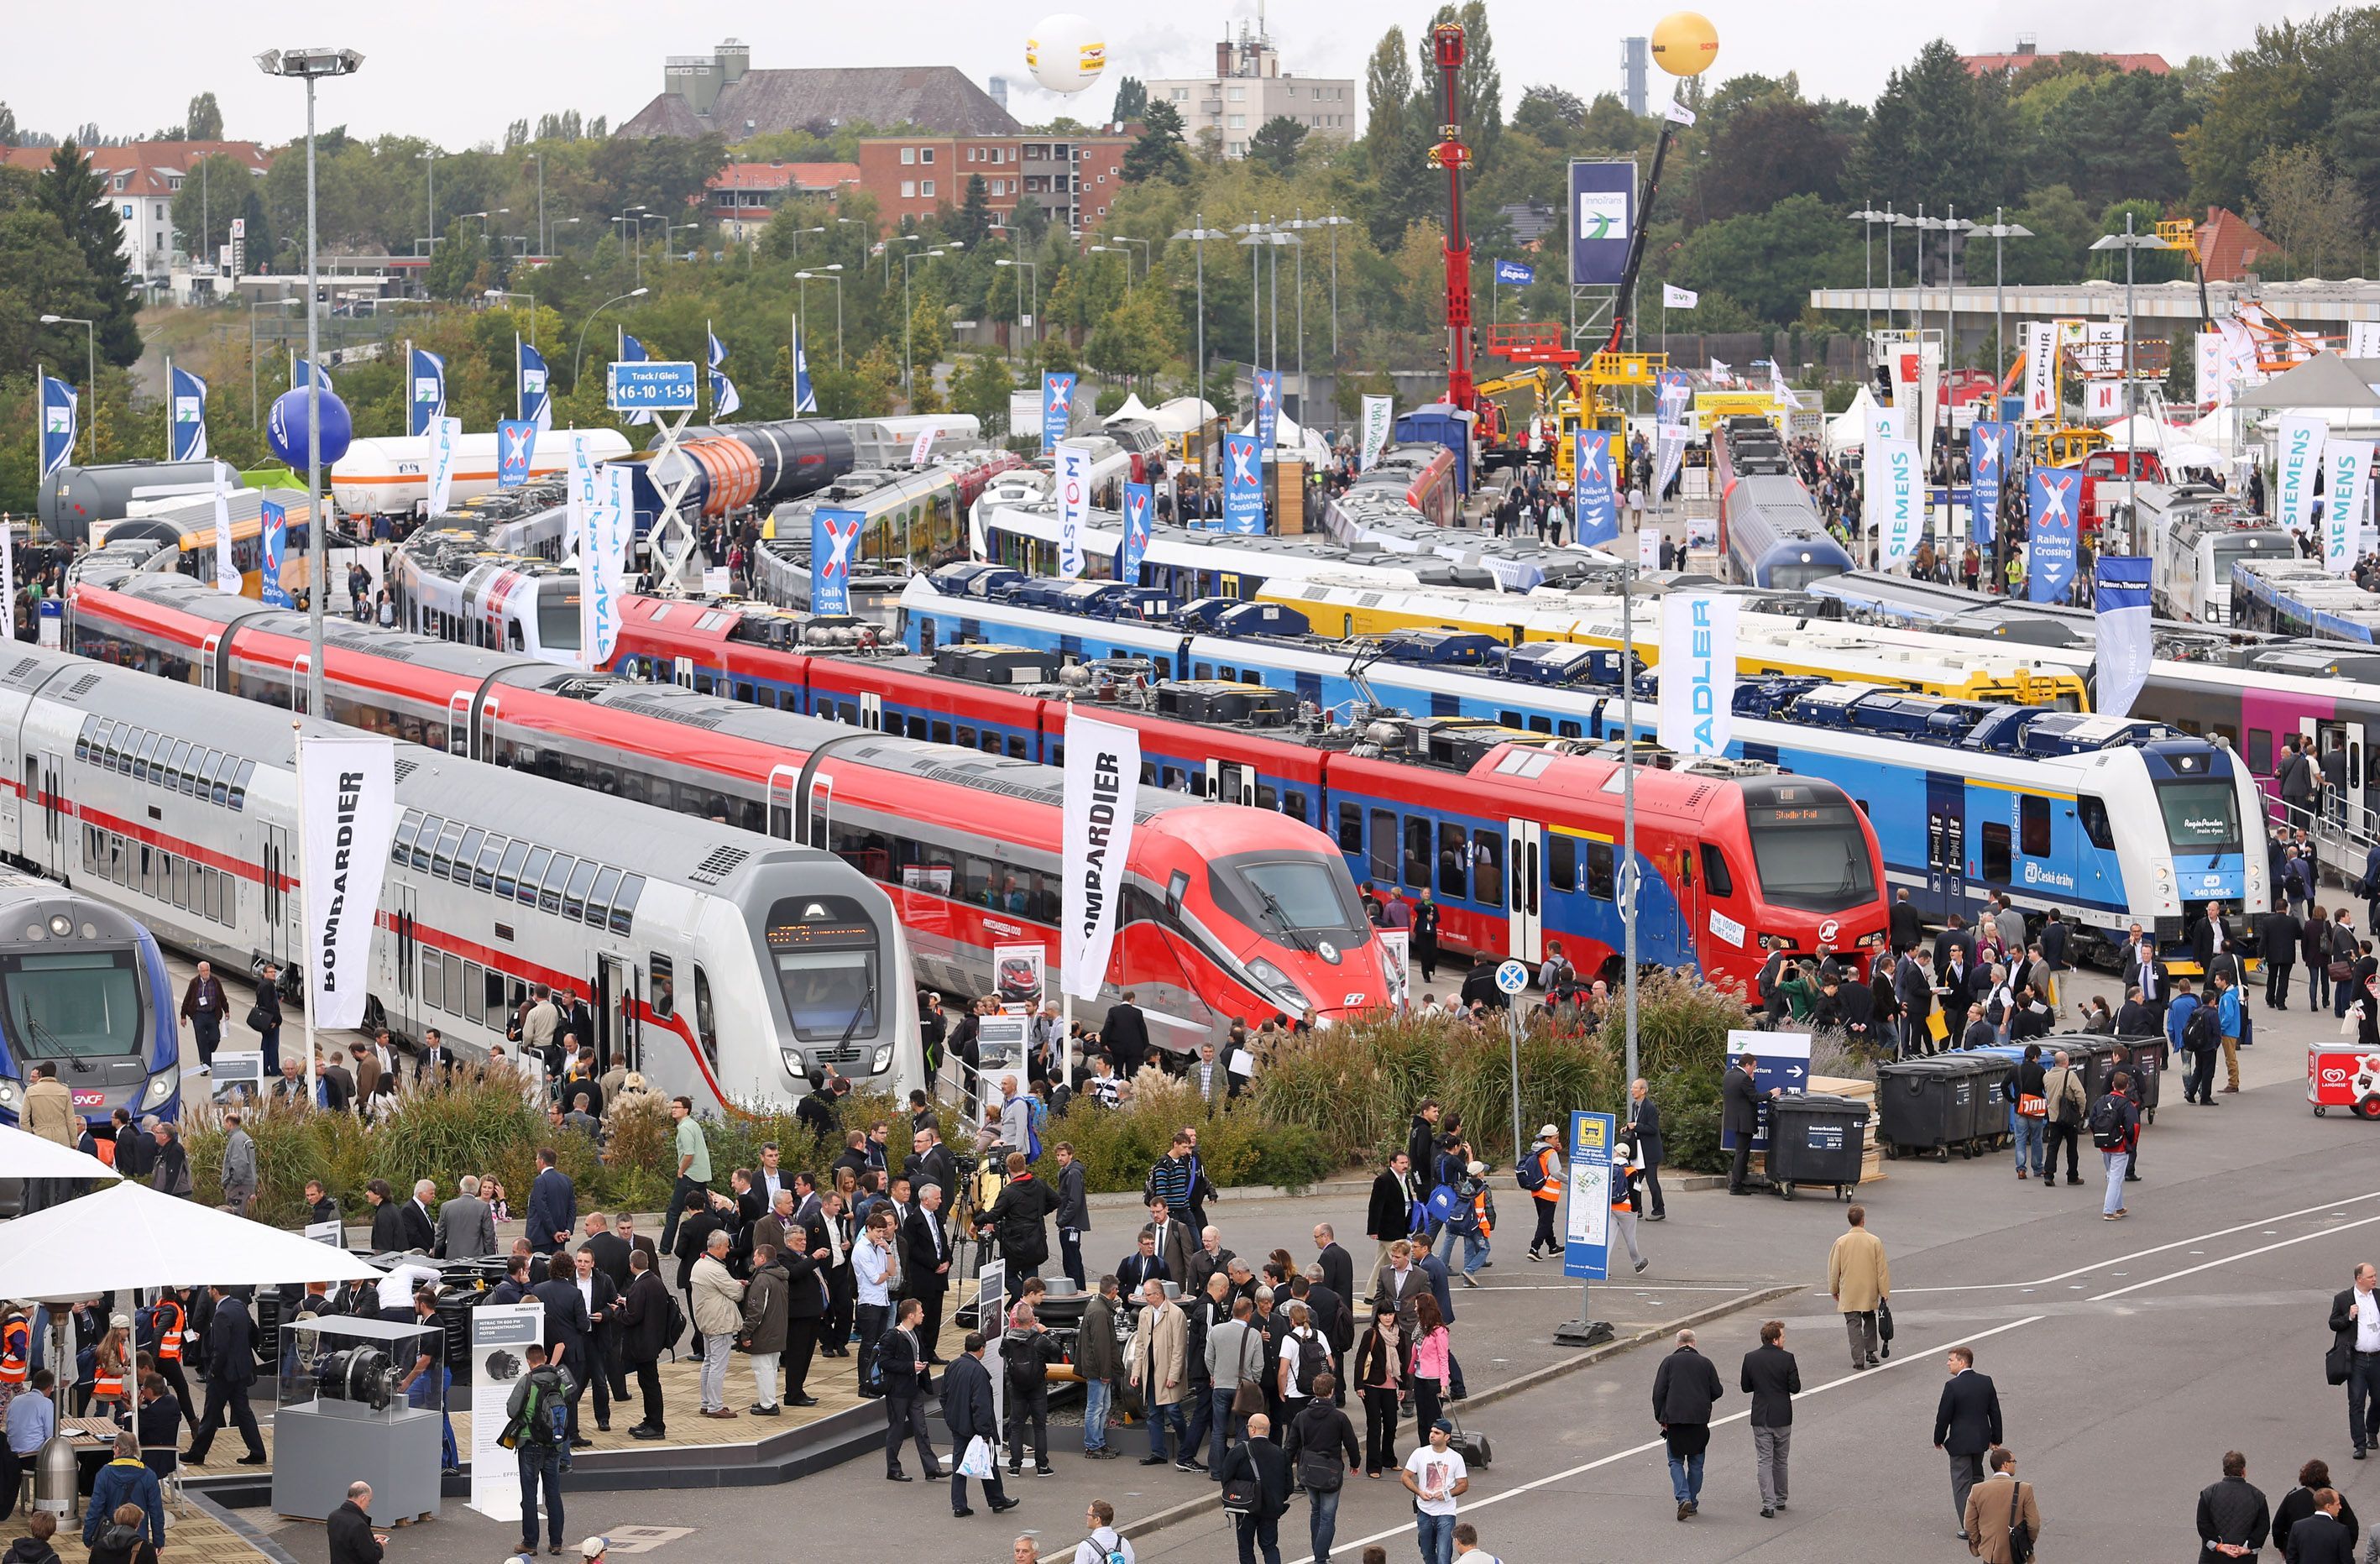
<point x="1067" y="52"/>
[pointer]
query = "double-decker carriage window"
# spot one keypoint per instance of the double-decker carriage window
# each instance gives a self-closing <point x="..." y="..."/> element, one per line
<point x="624" y="902"/>
<point x="508" y="872"/>
<point x="483" y="874"/>
<point x="573" y="895"/>
<point x="532" y="874"/>
<point x="401" y="851"/>
<point x="599" y="899"/>
<point x="557" y="875"/>
<point x="425" y="840"/>
<point x="465" y="855"/>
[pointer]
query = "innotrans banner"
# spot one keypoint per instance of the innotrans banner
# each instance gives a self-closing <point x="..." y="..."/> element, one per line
<point x="1102" y="782"/>
<point x="1602" y="205"/>
<point x="347" y="791"/>
<point x="1698" y="673"/>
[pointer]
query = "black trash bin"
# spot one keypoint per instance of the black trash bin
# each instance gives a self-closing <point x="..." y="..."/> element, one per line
<point x="1817" y="1139"/>
<point x="1919" y="1107"/>
<point x="1995" y="1077"/>
<point x="2147" y="1058"/>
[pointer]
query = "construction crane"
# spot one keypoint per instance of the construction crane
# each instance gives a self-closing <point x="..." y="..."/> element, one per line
<point x="1448" y="153"/>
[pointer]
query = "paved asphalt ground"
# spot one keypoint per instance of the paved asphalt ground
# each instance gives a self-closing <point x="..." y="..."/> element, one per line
<point x="2129" y="1357"/>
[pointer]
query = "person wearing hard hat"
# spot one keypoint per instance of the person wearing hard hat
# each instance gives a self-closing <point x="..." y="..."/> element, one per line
<point x="1540" y="1172"/>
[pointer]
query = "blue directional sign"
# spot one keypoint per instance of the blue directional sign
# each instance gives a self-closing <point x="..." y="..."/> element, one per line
<point x="1780" y="1060"/>
<point x="653" y="385"/>
<point x="1587" y="1239"/>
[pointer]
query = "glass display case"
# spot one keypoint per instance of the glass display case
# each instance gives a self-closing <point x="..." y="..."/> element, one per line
<point x="352" y="1399"/>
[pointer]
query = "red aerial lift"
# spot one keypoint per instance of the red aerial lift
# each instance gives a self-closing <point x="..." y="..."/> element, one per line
<point x="1450" y="154"/>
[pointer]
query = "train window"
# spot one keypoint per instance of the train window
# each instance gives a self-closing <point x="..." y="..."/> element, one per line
<point x="1453" y="860"/>
<point x="2094" y="815"/>
<point x="660" y="983"/>
<point x="2229" y="735"/>
<point x="1562" y="862"/>
<point x="744" y="691"/>
<point x="1202" y="669"/>
<point x="1176" y="779"/>
<point x="847" y="712"/>
<point x="1566" y="729"/>
<point x="1148" y="774"/>
<point x="1541" y="725"/>
<point x="496" y="1011"/>
<point x="1716" y="879"/>
<point x="441" y="857"/>
<point x="623" y="904"/>
<point x="177" y="770"/>
<point x="1267" y="796"/>
<point x="1417" y="854"/>
<point x="401" y="851"/>
<point x="548" y="898"/>
<point x="1350" y="828"/>
<point x="706" y="1024"/>
<point x="217" y="777"/>
<point x="2260" y="751"/>
<point x="1384" y="845"/>
<point x="1293" y="804"/>
<point x="532" y="874"/>
<point x="1487" y="875"/>
<point x="483" y="874"/>
<point x="144" y="767"/>
<point x="434" y="981"/>
<point x="941" y="733"/>
<point x="465" y="855"/>
<point x="991" y="745"/>
<point x="473" y="997"/>
<point x="599" y="901"/>
<point x="967" y="737"/>
<point x="574" y="894"/>
<point x="239" y="786"/>
<point x="457" y="995"/>
<point x="508" y="872"/>
<point x="1509" y="718"/>
<point x="2032" y="818"/>
<point x="425" y="840"/>
<point x="1998" y="856"/>
<point x="83" y="741"/>
<point x="1602" y="871"/>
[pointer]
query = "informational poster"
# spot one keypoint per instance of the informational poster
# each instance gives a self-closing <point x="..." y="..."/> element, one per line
<point x="501" y="1337"/>
<point x="1587" y="1234"/>
<point x="322" y="1232"/>
<point x="1781" y="1061"/>
<point x="1396" y="953"/>
<point x="991" y="1318"/>
<point x="1020" y="974"/>
<point x="1648" y="548"/>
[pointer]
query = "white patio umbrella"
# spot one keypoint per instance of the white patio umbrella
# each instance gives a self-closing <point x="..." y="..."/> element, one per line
<point x="129" y="1236"/>
<point x="28" y="1156"/>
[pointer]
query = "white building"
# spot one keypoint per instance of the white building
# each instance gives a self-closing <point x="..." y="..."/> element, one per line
<point x="141" y="180"/>
<point x="1249" y="89"/>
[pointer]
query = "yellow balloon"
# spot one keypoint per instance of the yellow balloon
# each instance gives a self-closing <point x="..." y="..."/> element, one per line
<point x="1684" y="43"/>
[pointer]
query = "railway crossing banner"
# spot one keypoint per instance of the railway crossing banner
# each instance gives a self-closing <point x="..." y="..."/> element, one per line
<point x="1379" y="419"/>
<point x="1594" y="495"/>
<point x="346" y="802"/>
<point x="1670" y="401"/>
<point x="445" y="436"/>
<point x="273" y="517"/>
<point x="1057" y="409"/>
<point x="1102" y="782"/>
<point x="1892" y="498"/>
<point x="1991" y="443"/>
<point x="2299" y="461"/>
<point x="1139" y="511"/>
<point x="2125" y="638"/>
<point x="834" y="540"/>
<point x="2347" y="505"/>
<point x="1697" y="701"/>
<point x="1243" y="485"/>
<point x="516" y="442"/>
<point x="1267" y="408"/>
<point x="2052" y="505"/>
<point x="1073" y="462"/>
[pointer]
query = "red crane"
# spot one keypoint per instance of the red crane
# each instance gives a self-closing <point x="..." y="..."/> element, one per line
<point x="1450" y="154"/>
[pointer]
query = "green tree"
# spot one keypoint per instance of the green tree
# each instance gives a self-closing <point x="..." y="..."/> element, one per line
<point x="2059" y="249"/>
<point x="1550" y="114"/>
<point x="1939" y="135"/>
<point x="1276" y="142"/>
<point x="1137" y="339"/>
<point x="1387" y="87"/>
<point x="455" y="261"/>
<point x="1131" y="101"/>
<point x="1766" y="152"/>
<point x="2112" y="136"/>
<point x="203" y="122"/>
<point x="217" y="188"/>
<point x="1160" y="152"/>
<point x="2278" y="92"/>
<point x="77" y="197"/>
<point x="981" y="387"/>
<point x="2309" y="209"/>
<point x="975" y="213"/>
<point x="1770" y="260"/>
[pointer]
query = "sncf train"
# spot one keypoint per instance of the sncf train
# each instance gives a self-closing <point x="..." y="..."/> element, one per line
<point x="1227" y="913"/>
<point x="2108" y="821"/>
<point x="726" y="965"/>
<point x="1767" y="528"/>
<point x="84" y="987"/>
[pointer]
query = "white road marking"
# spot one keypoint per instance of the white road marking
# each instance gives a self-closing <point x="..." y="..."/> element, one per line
<point x="2144" y="1254"/>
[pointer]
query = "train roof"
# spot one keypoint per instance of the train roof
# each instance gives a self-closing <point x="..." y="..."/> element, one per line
<point x="27" y="898"/>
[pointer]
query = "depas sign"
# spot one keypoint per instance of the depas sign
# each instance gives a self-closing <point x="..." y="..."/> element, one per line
<point x="1698" y="704"/>
<point x="347" y="792"/>
<point x="1102" y="786"/>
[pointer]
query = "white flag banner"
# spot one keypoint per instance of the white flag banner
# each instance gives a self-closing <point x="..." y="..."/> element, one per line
<point x="1678" y="114"/>
<point x="8" y="582"/>
<point x="445" y="436"/>
<point x="2347" y="502"/>
<point x="1697" y="672"/>
<point x="578" y="495"/>
<point x="2299" y="459"/>
<point x="2126" y="635"/>
<point x="1102" y="787"/>
<point x="1673" y="298"/>
<point x="227" y="572"/>
<point x="2040" y="359"/>
<point x="1074" y="460"/>
<point x="923" y="448"/>
<point x="604" y="564"/>
<point x="2209" y="365"/>
<point x="1721" y="372"/>
<point x="1648" y="548"/>
<point x="346" y="793"/>
<point x="1892" y="499"/>
<point x="2363" y="339"/>
<point x="1379" y="419"/>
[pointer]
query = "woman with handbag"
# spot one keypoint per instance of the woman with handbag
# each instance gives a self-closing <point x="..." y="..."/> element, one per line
<point x="264" y="1017"/>
<point x="1383" y="1370"/>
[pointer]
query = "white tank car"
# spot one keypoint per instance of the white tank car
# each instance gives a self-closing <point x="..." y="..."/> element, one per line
<point x="390" y="476"/>
<point x="726" y="966"/>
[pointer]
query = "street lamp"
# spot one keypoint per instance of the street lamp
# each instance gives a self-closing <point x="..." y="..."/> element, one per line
<point x="885" y="249"/>
<point x="2130" y="242"/>
<point x="1118" y="249"/>
<point x="1022" y="314"/>
<point x="1270" y="237"/>
<point x="1198" y="234"/>
<point x="1891" y="219"/>
<point x="1334" y="222"/>
<point x="802" y="296"/>
<point x="632" y="292"/>
<point x="429" y="162"/>
<point x="908" y="374"/>
<point x="91" y="377"/>
<point x="1147" y="254"/>
<point x="1999" y="228"/>
<point x="1867" y="220"/>
<point x="798" y="233"/>
<point x="538" y="158"/>
<point x="629" y="216"/>
<point x="517" y="292"/>
<point x="313" y="65"/>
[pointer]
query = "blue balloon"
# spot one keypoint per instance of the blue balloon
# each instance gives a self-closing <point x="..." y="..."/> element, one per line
<point x="284" y="428"/>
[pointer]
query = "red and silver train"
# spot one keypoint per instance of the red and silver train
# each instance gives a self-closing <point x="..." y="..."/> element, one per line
<point x="1227" y="913"/>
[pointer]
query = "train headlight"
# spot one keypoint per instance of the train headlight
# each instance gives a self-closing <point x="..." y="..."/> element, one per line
<point x="160" y="1087"/>
<point x="793" y="1058"/>
<point x="882" y="1060"/>
<point x="61" y="924"/>
<point x="12" y="1095"/>
<point x="1287" y="994"/>
<point x="1871" y="942"/>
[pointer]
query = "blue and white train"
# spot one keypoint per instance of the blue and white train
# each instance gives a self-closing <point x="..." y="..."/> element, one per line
<point x="84" y="987"/>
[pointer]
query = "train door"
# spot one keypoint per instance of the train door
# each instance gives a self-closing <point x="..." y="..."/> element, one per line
<point x="486" y="746"/>
<point x="1524" y="849"/>
<point x="1945" y="843"/>
<point x="2350" y="737"/>
<point x="781" y="783"/>
<point x="54" y="822"/>
<point x="208" y="673"/>
<point x="1228" y="781"/>
<point x="400" y="970"/>
<point x="275" y="863"/>
<point x="683" y="673"/>
<point x="871" y="711"/>
<point x="614" y="1005"/>
<point x="821" y="806"/>
<point x="459" y="726"/>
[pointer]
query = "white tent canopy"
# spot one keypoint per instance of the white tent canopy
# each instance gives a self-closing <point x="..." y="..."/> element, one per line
<point x="130" y="1236"/>
<point x="24" y="1156"/>
<point x="1847" y="431"/>
<point x="1134" y="407"/>
<point x="1290" y="436"/>
<point x="2140" y="432"/>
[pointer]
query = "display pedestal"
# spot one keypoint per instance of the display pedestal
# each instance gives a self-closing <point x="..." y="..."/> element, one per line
<point x="321" y="1446"/>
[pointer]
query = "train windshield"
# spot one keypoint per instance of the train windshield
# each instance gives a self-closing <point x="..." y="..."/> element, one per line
<point x="1792" y="576"/>
<point x="557" y="618"/>
<point x="825" y="989"/>
<point x="1811" y="856"/>
<point x="2200" y="817"/>
<point x="72" y="1004"/>
<point x="1291" y="896"/>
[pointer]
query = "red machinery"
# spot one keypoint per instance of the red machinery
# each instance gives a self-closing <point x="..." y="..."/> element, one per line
<point x="1450" y="154"/>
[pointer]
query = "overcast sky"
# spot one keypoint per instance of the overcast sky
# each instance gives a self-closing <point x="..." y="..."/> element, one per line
<point x="458" y="72"/>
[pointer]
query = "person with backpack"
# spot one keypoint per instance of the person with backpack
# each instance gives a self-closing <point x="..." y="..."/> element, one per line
<point x="1304" y="1357"/>
<point x="2232" y="1023"/>
<point x="2115" y="1130"/>
<point x="1018" y="1218"/>
<point x="1255" y="1478"/>
<point x="1540" y="1173"/>
<point x="1105" y="1544"/>
<point x="1473" y="1218"/>
<point x="533" y="1425"/>
<point x="1314" y="1444"/>
<point x="2195" y="1031"/>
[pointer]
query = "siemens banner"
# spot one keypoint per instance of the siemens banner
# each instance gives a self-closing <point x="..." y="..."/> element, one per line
<point x="1595" y="497"/>
<point x="1892" y="499"/>
<point x="1991" y="443"/>
<point x="1242" y="486"/>
<point x="1602" y="205"/>
<point x="2052" y="500"/>
<point x="1698" y="673"/>
<point x="2347" y="502"/>
<point x="1057" y="409"/>
<point x="1102" y="784"/>
<point x="2298" y="459"/>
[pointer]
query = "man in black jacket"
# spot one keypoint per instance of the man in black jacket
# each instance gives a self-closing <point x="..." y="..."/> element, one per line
<point x="2320" y="1537"/>
<point x="1966" y="1423"/>
<point x="231" y="1369"/>
<point x="1912" y="984"/>
<point x="926" y="1265"/>
<point x="1016" y="1220"/>
<point x="1074" y="1216"/>
<point x="902" y="1359"/>
<point x="1772" y="1380"/>
<point x="1126" y="1032"/>
<point x="1907" y="932"/>
<point x="966" y="1412"/>
<point x="1257" y="1459"/>
<point x="2354" y="1358"/>
<point x="2282" y="933"/>
<point x="1394" y="1194"/>
<point x="644" y="1332"/>
<point x="567" y="1326"/>
<point x="351" y="1537"/>
<point x="2232" y="1511"/>
<point x="1685" y="1387"/>
<point x="1740" y="1116"/>
<point x="1317" y="1437"/>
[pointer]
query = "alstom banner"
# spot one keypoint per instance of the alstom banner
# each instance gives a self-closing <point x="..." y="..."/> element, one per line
<point x="1074" y="463"/>
<point x="346" y="788"/>
<point x="1602" y="205"/>
<point x="1102" y="786"/>
<point x="1698" y="673"/>
<point x="1893" y="498"/>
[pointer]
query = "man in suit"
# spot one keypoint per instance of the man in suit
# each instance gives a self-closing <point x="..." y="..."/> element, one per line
<point x="2321" y="1538"/>
<point x="1337" y="1266"/>
<point x="1399" y="1285"/>
<point x="1954" y="935"/>
<point x="1966" y="1423"/>
<point x="2354" y="1358"/>
<point x="465" y="1230"/>
<point x="1996" y="1507"/>
<point x="552" y="1207"/>
<point x="902" y="1358"/>
<point x="779" y="1230"/>
<point x="624" y="1224"/>
<point x="932" y="1163"/>
<point x="1175" y="1243"/>
<point x="1143" y="1265"/>
<point x="1739" y="1116"/>
<point x="231" y="1369"/>
<point x="436" y="1057"/>
<point x="602" y="1297"/>
<point x="1772" y="1380"/>
<point x="1645" y="1128"/>
<point x="1907" y="933"/>
<point x="420" y="1228"/>
<point x="611" y="1251"/>
<point x="966" y="1412"/>
<point x="610" y="1254"/>
<point x="567" y="1326"/>
<point x="807" y="1295"/>
<point x="1126" y="1032"/>
<point x="1389" y="1219"/>
<point x="925" y="1263"/>
<point x="2209" y="938"/>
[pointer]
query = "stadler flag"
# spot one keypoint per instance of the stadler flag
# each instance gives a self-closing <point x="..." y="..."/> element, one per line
<point x="1698" y="673"/>
<point x="579" y="493"/>
<point x="805" y="399"/>
<point x="1380" y="420"/>
<point x="227" y="572"/>
<point x="187" y="435"/>
<point x="603" y="564"/>
<point x="1073" y="463"/>
<point x="515" y="441"/>
<point x="1988" y="446"/>
<point x="834" y="543"/>
<point x="1139" y="511"/>
<point x="1594" y="498"/>
<point x="427" y="373"/>
<point x="1670" y="449"/>
<point x="1057" y="409"/>
<point x="346" y="790"/>
<point x="1102" y="786"/>
<point x="633" y="352"/>
<point x="1243" y="485"/>
<point x="724" y="400"/>
<point x="535" y="406"/>
<point x="1892" y="499"/>
<point x="274" y="524"/>
<point x="2299" y="459"/>
<point x="445" y="438"/>
<point x="2052" y="499"/>
<point x="2347" y="501"/>
<point x="58" y="423"/>
<point x="1678" y="297"/>
<point x="2125" y="637"/>
<point x="1267" y="408"/>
